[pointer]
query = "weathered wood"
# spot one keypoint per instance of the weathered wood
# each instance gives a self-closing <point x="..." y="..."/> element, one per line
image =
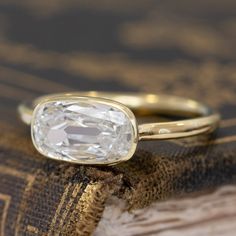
<point x="56" y="46"/>
<point x="208" y="214"/>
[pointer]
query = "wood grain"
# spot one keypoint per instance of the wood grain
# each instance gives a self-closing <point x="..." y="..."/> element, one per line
<point x="177" y="187"/>
<point x="208" y="214"/>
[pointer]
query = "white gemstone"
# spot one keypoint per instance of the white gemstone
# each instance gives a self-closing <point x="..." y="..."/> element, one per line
<point x="83" y="131"/>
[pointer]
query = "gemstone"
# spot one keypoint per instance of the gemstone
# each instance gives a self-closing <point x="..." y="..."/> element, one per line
<point x="84" y="130"/>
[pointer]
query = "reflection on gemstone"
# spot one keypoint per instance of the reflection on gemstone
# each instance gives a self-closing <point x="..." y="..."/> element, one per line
<point x="77" y="129"/>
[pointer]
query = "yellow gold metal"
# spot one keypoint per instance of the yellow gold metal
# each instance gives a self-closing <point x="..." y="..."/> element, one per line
<point x="64" y="97"/>
<point x="202" y="120"/>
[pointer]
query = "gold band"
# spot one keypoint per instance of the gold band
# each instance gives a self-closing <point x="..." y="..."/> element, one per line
<point x="205" y="119"/>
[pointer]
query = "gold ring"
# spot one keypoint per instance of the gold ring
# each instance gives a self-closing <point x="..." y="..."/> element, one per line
<point x="100" y="128"/>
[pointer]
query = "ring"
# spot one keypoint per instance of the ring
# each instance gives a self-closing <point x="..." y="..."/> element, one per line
<point x="100" y="128"/>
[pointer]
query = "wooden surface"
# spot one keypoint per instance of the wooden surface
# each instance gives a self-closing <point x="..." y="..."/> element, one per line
<point x="206" y="214"/>
<point x="185" y="49"/>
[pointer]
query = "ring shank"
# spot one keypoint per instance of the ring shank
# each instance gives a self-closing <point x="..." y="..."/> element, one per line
<point x="204" y="119"/>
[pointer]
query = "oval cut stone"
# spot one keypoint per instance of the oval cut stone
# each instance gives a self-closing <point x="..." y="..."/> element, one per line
<point x="84" y="130"/>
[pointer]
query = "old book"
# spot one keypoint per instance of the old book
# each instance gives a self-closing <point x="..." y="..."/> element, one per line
<point x="174" y="187"/>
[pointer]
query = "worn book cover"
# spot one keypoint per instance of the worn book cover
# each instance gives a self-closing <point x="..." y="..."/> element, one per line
<point x="184" y="48"/>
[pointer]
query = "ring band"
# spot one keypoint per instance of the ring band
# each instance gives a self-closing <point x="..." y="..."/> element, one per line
<point x="100" y="128"/>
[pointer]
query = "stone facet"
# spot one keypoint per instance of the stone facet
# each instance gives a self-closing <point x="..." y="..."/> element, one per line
<point x="83" y="131"/>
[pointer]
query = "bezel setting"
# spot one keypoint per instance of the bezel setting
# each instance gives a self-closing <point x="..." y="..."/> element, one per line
<point x="87" y="100"/>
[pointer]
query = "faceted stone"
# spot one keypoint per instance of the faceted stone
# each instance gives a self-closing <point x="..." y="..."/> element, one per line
<point x="83" y="131"/>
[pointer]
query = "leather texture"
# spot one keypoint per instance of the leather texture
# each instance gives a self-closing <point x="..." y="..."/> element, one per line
<point x="185" y="49"/>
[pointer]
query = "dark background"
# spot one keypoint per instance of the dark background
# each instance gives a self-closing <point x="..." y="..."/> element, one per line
<point x="185" y="48"/>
